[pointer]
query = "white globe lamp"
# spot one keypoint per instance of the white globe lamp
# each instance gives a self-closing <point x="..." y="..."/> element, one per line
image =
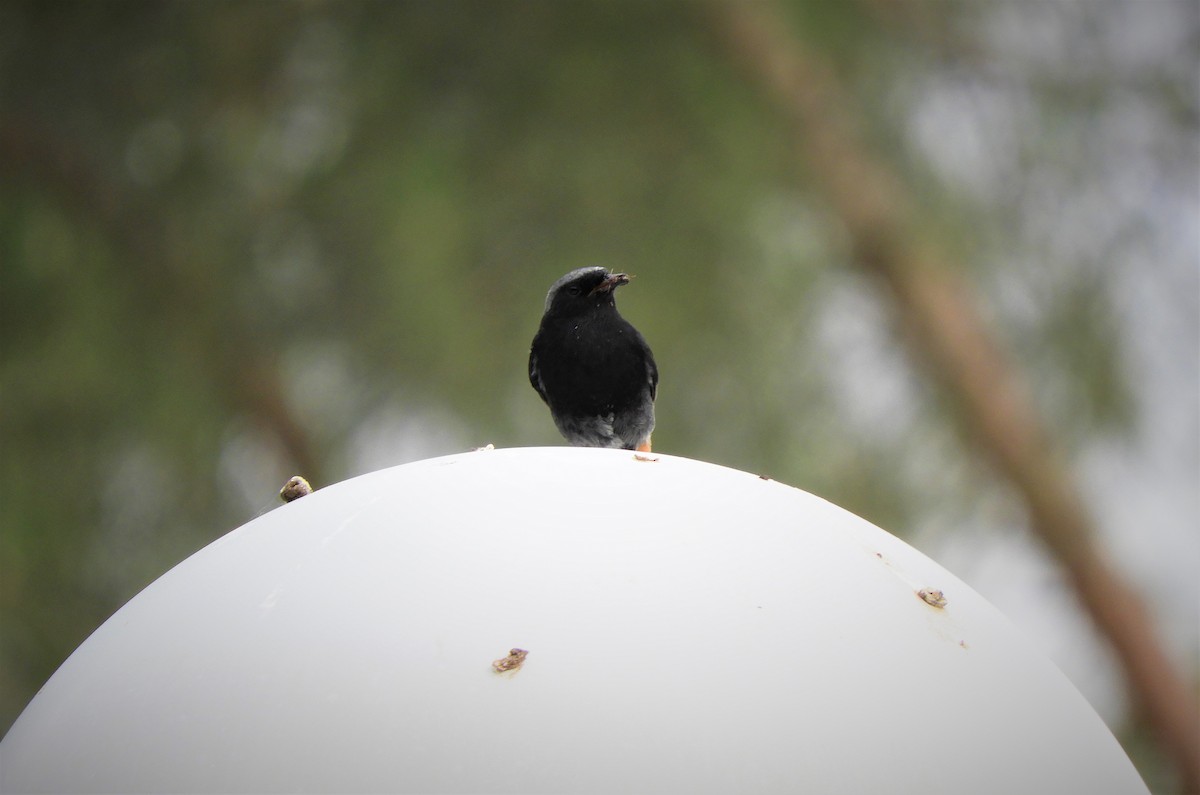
<point x="560" y="620"/>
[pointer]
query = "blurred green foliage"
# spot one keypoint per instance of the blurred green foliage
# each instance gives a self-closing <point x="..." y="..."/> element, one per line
<point x="238" y="238"/>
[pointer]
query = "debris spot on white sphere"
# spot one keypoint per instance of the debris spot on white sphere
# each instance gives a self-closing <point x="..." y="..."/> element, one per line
<point x="511" y="663"/>
<point x="294" y="489"/>
<point x="933" y="598"/>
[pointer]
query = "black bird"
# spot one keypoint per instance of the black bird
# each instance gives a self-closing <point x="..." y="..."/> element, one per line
<point x="593" y="369"/>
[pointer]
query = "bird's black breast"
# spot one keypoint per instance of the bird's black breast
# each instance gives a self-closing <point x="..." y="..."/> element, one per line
<point x="591" y="365"/>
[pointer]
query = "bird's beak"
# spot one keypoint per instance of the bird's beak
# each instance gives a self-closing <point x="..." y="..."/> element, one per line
<point x="610" y="283"/>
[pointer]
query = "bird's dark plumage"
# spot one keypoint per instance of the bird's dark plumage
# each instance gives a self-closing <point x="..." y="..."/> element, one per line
<point x="593" y="369"/>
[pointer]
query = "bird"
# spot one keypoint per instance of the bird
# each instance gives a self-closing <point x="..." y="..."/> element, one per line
<point x="591" y="366"/>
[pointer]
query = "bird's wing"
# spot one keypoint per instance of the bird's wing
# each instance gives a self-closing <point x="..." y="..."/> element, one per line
<point x="652" y="376"/>
<point x="535" y="376"/>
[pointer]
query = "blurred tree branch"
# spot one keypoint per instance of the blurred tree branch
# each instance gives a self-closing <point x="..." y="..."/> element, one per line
<point x="946" y="331"/>
<point x="220" y="343"/>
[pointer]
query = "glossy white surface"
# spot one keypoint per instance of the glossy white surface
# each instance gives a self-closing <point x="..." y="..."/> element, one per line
<point x="690" y="628"/>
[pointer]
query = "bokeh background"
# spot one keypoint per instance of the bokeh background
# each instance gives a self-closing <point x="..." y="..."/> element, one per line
<point x="243" y="241"/>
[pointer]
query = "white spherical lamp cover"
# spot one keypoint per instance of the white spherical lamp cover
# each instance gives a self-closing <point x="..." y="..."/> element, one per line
<point x="685" y="628"/>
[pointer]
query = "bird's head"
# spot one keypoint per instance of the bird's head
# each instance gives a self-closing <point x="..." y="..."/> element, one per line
<point x="582" y="289"/>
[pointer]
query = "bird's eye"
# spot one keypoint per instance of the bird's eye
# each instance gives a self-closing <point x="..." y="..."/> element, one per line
<point x="574" y="290"/>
